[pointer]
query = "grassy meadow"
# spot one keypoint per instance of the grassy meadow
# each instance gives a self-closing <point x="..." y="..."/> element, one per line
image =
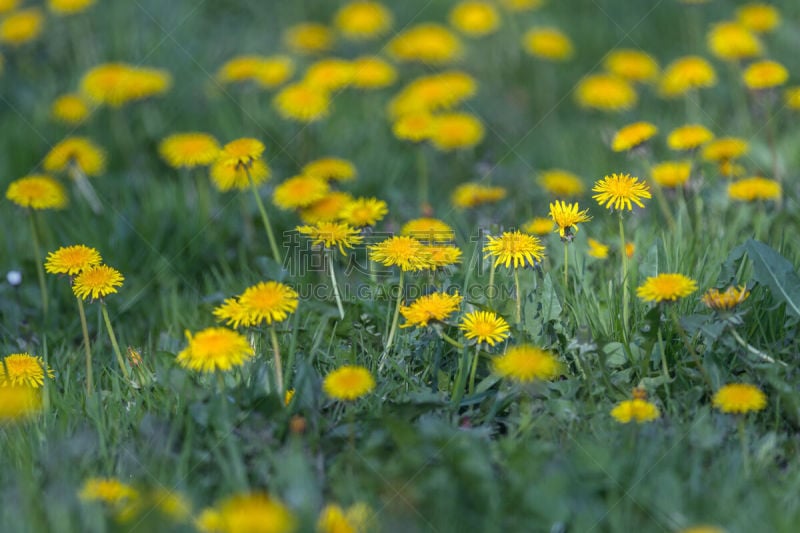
<point x="565" y="383"/>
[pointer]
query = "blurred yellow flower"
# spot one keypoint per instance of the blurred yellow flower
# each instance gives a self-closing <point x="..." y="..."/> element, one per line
<point x="632" y="65"/>
<point x="538" y="226"/>
<point x="522" y="5"/>
<point x="526" y="364"/>
<point x="755" y="188"/>
<point x="428" y="43"/>
<point x="363" y="212"/>
<point x="666" y="288"/>
<point x="21" y="27"/>
<point x="328" y="208"/>
<point x="635" y="410"/>
<point x="732" y="41"/>
<point x="330" y="169"/>
<point x="69" y="7"/>
<point x="8" y="5"/>
<point x="689" y="137"/>
<point x="686" y="74"/>
<point x="435" y="92"/>
<point x="348" y="383"/>
<point x="334" y="519"/>
<point x="760" y="18"/>
<point x="189" y="150"/>
<point x="632" y="136"/>
<point x="372" y="72"/>
<point x="18" y="403"/>
<point x="454" y="131"/>
<point x="428" y="230"/>
<point x="414" y="127"/>
<point x="299" y="191"/>
<point x="362" y="20"/>
<point x="739" y="398"/>
<point x="765" y="75"/>
<point x="302" y="103"/>
<point x="116" y="84"/>
<point x="308" y="38"/>
<point x="267" y="72"/>
<point x="561" y="183"/>
<point x="329" y="75"/>
<point x="70" y="109"/>
<point x="110" y="491"/>
<point x="792" y="98"/>
<point x="597" y="249"/>
<point x="227" y="175"/>
<point x="474" y="18"/>
<point x="215" y="349"/>
<point x="474" y="194"/>
<point x="605" y="92"/>
<point x="37" y="191"/>
<point x="80" y="152"/>
<point x="547" y="43"/>
<point x="254" y="512"/>
<point x="725" y="149"/>
<point x="443" y="255"/>
<point x="671" y="174"/>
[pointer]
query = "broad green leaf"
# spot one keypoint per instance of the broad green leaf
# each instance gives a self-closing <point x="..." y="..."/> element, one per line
<point x="775" y="271"/>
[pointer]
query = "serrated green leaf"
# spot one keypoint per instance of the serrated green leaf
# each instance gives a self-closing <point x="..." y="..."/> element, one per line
<point x="776" y="272"/>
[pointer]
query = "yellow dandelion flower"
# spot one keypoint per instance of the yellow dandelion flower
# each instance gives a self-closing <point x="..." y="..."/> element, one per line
<point x="454" y="131"/>
<point x="372" y="72"/>
<point x="21" y="27"/>
<point x="267" y="72"/>
<point x="24" y="370"/>
<point x="725" y="300"/>
<point x="632" y="65"/>
<point x="633" y="135"/>
<point x="702" y="529"/>
<point x="757" y="17"/>
<point x="792" y="98"/>
<point x="111" y="491"/>
<point x="334" y="519"/>
<point x="327" y="209"/>
<point x="514" y="249"/>
<point x="363" y="212"/>
<point x="240" y="69"/>
<point x="37" y="191"/>
<point x="619" y="191"/>
<point x="332" y="234"/>
<point x="308" y="38"/>
<point x="189" y="150"/>
<point x="484" y="326"/>
<point x="426" y="43"/>
<point x="414" y="127"/>
<point x="403" y="251"/>
<point x="436" y="92"/>
<point x="474" y="194"/>
<point x="526" y="364"/>
<point x="116" y="84"/>
<point x="146" y="82"/>
<point x="538" y="226"/>
<point x="605" y="92"/>
<point x="671" y="174"/>
<point x="233" y="313"/>
<point x="252" y="513"/>
<point x="288" y="396"/>
<point x="329" y="75"/>
<point x="548" y="43"/>
<point x="443" y="255"/>
<point x="762" y="75"/>
<point x="732" y="41"/>
<point x="689" y="137"/>
<point x="567" y="217"/>
<point x="227" y="174"/>
<point x="637" y="410"/>
<point x="522" y="5"/>
<point x="360" y="21"/>
<point x="69" y="7"/>
<point x="428" y="229"/>
<point x="330" y="168"/>
<point x="597" y="249"/>
<point x="8" y="5"/>
<point x="561" y="183"/>
<point x="215" y="349"/>
<point x="686" y="74"/>
<point x="71" y="260"/>
<point x="666" y="288"/>
<point x="474" y="18"/>
<point x="755" y="188"/>
<point x="268" y="302"/>
<point x="630" y="249"/>
<point x="739" y="398"/>
<point x="18" y="403"/>
<point x="725" y="149"/>
<point x="299" y="191"/>
<point x="348" y="383"/>
<point x="78" y="151"/>
<point x="302" y="103"/>
<point x="97" y="282"/>
<point x="70" y="109"/>
<point x="435" y="307"/>
<point x="730" y="169"/>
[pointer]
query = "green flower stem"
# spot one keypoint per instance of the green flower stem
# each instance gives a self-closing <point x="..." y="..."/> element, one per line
<point x="460" y="381"/>
<point x="664" y="366"/>
<point x="474" y="369"/>
<point x="273" y="244"/>
<point x="490" y="290"/>
<point x="687" y="343"/>
<point x="396" y="316"/>
<point x="566" y="266"/>
<point x="518" y="293"/>
<point x="276" y="350"/>
<point x="745" y="447"/>
<point x="114" y="343"/>
<point x="335" y="286"/>
<point x="624" y="254"/>
<point x="37" y="254"/>
<point x="87" y="349"/>
<point x="447" y="338"/>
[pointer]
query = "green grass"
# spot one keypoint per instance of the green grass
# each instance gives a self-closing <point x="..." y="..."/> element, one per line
<point x="547" y="457"/>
